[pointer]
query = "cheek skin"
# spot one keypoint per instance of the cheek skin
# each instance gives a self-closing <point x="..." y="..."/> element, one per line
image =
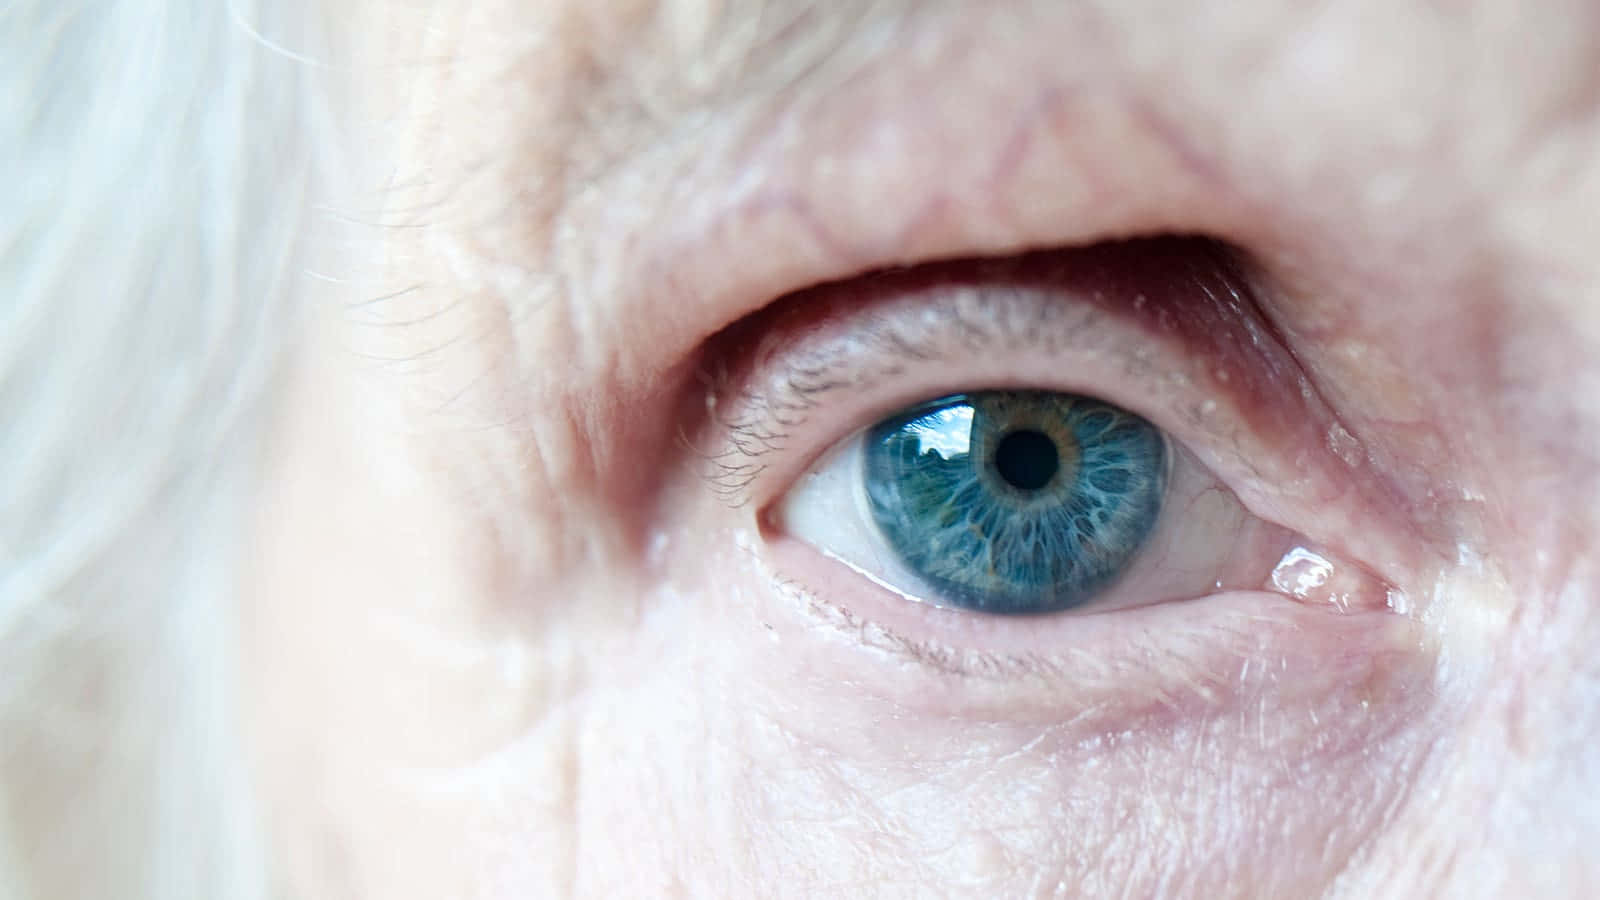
<point x="738" y="743"/>
<point x="386" y="715"/>
<point x="673" y="720"/>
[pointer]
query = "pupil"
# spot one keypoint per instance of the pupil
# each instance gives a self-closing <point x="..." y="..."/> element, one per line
<point x="1027" y="459"/>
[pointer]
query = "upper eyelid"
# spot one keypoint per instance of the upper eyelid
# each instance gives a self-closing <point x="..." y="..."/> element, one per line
<point x="863" y="362"/>
<point x="868" y="333"/>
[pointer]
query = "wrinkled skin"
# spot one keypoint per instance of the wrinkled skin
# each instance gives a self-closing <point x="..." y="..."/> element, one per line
<point x="514" y="633"/>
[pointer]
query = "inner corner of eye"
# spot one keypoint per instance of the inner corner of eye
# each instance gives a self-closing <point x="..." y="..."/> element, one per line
<point x="995" y="501"/>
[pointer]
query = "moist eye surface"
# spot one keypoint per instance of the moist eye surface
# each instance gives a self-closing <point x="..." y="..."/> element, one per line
<point x="1015" y="501"/>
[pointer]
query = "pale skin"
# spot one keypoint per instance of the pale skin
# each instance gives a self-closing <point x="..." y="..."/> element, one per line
<point x="514" y="633"/>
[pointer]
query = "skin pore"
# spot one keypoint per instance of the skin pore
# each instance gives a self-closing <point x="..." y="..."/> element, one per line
<point x="510" y="636"/>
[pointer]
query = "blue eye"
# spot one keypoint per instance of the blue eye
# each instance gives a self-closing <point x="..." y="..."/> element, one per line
<point x="1015" y="501"/>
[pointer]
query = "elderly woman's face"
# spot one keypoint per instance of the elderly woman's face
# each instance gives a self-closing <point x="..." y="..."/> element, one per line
<point x="753" y="467"/>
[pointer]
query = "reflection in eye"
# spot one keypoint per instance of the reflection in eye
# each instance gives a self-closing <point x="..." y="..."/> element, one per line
<point x="1014" y="501"/>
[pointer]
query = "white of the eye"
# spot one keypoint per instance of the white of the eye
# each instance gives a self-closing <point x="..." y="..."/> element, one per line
<point x="827" y="508"/>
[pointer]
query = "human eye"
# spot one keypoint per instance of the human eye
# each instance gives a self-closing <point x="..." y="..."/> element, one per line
<point x="996" y="501"/>
<point x="1088" y="433"/>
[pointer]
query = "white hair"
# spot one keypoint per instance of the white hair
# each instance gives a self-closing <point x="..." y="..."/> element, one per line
<point x="158" y="158"/>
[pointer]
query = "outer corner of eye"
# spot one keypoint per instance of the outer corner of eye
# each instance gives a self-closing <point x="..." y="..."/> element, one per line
<point x="1015" y="502"/>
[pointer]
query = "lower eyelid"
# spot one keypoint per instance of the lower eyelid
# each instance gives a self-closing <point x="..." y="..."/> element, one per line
<point x="1162" y="661"/>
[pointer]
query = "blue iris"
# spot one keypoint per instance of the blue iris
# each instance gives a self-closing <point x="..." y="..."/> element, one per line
<point x="1015" y="501"/>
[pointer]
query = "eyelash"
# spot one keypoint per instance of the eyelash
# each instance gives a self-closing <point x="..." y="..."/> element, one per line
<point x="815" y="349"/>
<point x="763" y="423"/>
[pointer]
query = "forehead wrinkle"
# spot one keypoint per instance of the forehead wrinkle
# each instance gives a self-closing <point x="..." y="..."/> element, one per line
<point x="635" y="86"/>
<point x="653" y="67"/>
<point x="512" y="111"/>
<point x="507" y="112"/>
